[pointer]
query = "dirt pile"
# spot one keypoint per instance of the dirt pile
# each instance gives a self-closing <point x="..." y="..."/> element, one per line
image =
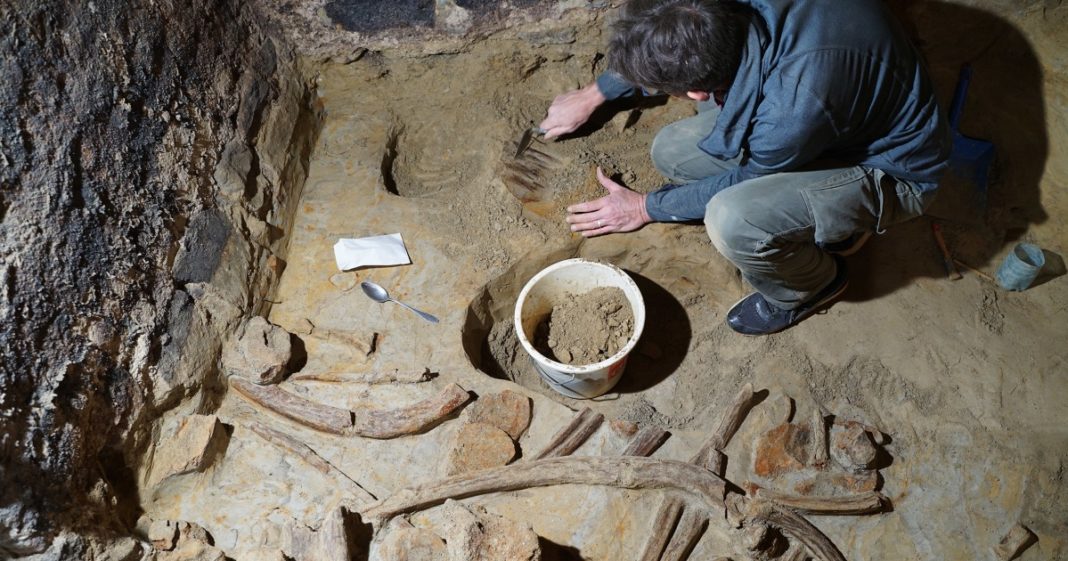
<point x="586" y="329"/>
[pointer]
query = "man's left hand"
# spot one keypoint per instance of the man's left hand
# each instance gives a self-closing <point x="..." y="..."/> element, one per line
<point x="621" y="210"/>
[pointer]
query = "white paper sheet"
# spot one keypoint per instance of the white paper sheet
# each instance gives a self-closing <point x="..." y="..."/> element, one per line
<point x="373" y="251"/>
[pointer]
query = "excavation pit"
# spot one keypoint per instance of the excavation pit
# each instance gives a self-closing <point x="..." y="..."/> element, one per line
<point x="199" y="192"/>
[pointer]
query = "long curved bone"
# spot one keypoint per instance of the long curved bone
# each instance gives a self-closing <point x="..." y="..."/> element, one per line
<point x="304" y="412"/>
<point x="366" y="422"/>
<point x="371" y="378"/>
<point x="625" y="472"/>
<point x="415" y="418"/>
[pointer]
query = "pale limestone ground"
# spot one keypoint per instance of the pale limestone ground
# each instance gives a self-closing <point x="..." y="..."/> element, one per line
<point x="968" y="380"/>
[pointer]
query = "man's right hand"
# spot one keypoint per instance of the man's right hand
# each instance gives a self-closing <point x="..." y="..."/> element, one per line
<point x="570" y="110"/>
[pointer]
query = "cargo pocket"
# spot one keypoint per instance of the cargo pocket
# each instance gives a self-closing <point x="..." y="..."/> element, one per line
<point x="848" y="202"/>
<point x="905" y="200"/>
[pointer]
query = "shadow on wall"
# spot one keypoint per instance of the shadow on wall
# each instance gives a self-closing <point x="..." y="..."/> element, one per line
<point x="1004" y="106"/>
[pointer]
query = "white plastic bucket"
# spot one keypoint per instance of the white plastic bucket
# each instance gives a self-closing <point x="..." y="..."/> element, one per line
<point x="552" y="286"/>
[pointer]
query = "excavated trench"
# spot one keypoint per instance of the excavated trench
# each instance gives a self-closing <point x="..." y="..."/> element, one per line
<point x="913" y="413"/>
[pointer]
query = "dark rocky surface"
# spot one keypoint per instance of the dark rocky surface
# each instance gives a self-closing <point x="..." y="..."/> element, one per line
<point x="112" y="118"/>
<point x="379" y="15"/>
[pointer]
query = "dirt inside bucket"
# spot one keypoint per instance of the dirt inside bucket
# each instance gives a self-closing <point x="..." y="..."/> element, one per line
<point x="587" y="328"/>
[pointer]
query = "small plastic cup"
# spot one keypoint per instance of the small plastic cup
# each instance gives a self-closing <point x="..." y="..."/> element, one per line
<point x="1020" y="267"/>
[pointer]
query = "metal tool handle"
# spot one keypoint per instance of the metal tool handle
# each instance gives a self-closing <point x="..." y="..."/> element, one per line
<point x="421" y="313"/>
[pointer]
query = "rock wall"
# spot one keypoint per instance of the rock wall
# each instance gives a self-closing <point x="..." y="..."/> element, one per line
<point x="151" y="156"/>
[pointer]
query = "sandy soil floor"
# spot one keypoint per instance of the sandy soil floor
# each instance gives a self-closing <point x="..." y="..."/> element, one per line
<point x="968" y="381"/>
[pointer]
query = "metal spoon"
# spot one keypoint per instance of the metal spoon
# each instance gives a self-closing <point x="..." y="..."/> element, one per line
<point x="380" y="295"/>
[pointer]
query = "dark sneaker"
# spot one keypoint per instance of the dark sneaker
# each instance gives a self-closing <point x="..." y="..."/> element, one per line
<point x="753" y="315"/>
<point x="848" y="246"/>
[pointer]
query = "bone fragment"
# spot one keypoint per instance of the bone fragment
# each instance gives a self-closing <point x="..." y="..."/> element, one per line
<point x="797" y="552"/>
<point x="363" y="342"/>
<point x="293" y="446"/>
<point x="415" y="418"/>
<point x="623" y="472"/>
<point x="728" y="424"/>
<point x="819" y="439"/>
<point x="1014" y="543"/>
<point x="790" y="523"/>
<point x="395" y="377"/>
<point x="333" y="542"/>
<point x="366" y="422"/>
<point x="877" y="436"/>
<point x="304" y="412"/>
<point x="788" y="406"/>
<point x="646" y="442"/>
<point x="666" y="518"/>
<point x="860" y="503"/>
<point x="689" y="530"/>
<point x="756" y="537"/>
<point x="853" y="447"/>
<point x="717" y="463"/>
<point x="569" y="438"/>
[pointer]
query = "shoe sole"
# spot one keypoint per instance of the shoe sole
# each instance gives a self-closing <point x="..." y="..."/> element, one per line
<point x="826" y="300"/>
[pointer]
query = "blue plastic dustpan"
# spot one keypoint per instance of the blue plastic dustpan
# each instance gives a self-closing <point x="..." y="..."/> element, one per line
<point x="971" y="158"/>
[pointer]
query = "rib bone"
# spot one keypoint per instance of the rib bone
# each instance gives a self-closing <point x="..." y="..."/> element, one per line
<point x="861" y="503"/>
<point x="569" y="438"/>
<point x="304" y="452"/>
<point x="689" y="530"/>
<point x="728" y="425"/>
<point x="305" y="412"/>
<point x="625" y="472"/>
<point x="646" y="442"/>
<point x="666" y="518"/>
<point x="366" y="422"/>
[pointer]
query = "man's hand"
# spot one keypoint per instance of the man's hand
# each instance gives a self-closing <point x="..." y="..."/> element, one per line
<point x="621" y="210"/>
<point x="570" y="110"/>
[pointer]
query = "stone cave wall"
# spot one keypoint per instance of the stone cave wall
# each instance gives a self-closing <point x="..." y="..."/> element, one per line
<point x="151" y="157"/>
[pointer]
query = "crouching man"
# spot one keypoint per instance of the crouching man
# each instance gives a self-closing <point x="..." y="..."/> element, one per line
<point x="817" y="125"/>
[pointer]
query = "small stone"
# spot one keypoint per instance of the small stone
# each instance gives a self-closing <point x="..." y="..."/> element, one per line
<point x="191" y="531"/>
<point x="304" y="327"/>
<point x="196" y="442"/>
<point x="276" y="264"/>
<point x="163" y="534"/>
<point x="343" y="281"/>
<point x="404" y="542"/>
<point x="260" y="353"/>
<point x="1014" y="543"/>
<point x="781" y="449"/>
<point x="480" y="446"/>
<point x="623" y="428"/>
<point x="474" y="533"/>
<point x="122" y="549"/>
<point x="507" y="410"/>
<point x="193" y="550"/>
<point x="258" y="230"/>
<point x="852" y="447"/>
